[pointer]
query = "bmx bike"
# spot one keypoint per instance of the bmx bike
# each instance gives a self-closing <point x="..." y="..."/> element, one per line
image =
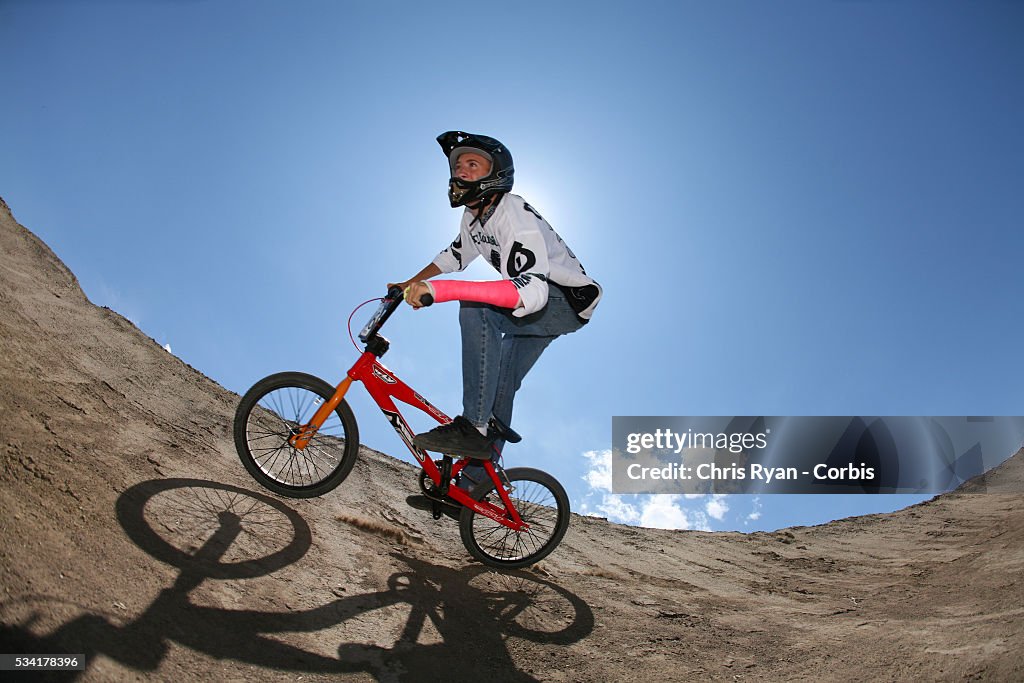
<point x="297" y="436"/>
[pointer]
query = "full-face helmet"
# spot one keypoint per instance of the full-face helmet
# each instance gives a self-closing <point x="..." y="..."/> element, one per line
<point x="472" y="192"/>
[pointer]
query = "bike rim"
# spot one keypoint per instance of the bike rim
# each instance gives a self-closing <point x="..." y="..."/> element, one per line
<point x="278" y="415"/>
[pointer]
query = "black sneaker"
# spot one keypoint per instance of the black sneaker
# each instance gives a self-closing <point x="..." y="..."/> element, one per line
<point x="459" y="437"/>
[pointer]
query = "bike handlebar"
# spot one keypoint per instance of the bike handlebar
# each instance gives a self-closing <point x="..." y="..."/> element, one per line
<point x="425" y="299"/>
<point x="383" y="312"/>
<point x="388" y="306"/>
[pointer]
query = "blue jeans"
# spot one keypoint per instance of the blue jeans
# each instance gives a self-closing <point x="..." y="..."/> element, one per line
<point x="498" y="350"/>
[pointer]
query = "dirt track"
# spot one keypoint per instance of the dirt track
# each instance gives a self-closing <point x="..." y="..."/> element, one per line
<point x="131" y="533"/>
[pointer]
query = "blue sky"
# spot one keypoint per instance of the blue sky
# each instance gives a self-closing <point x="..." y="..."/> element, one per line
<point x="795" y="208"/>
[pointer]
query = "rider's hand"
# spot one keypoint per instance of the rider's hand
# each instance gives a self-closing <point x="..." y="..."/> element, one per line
<point x="414" y="291"/>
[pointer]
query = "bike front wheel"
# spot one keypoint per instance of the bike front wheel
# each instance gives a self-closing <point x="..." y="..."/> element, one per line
<point x="540" y="501"/>
<point x="271" y="412"/>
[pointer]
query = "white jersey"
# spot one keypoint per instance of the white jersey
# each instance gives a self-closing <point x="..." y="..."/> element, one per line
<point x="523" y="248"/>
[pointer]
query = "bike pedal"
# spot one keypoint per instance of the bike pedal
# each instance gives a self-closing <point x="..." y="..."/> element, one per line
<point x="437" y="510"/>
<point x="442" y="501"/>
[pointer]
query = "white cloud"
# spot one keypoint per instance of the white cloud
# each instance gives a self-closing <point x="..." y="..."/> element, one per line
<point x="756" y="514"/>
<point x="656" y="511"/>
<point x="167" y="348"/>
<point x="717" y="507"/>
<point x="599" y="476"/>
<point x="663" y="512"/>
<point x="618" y="510"/>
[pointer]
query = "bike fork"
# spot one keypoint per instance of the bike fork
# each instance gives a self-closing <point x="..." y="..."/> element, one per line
<point x="300" y="439"/>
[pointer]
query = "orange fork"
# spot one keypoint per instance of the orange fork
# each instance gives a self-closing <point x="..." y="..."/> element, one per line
<point x="306" y="432"/>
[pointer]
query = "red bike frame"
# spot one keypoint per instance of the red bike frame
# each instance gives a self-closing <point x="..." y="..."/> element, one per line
<point x="385" y="387"/>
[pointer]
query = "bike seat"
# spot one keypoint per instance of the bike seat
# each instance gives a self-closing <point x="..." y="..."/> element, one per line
<point x="496" y="429"/>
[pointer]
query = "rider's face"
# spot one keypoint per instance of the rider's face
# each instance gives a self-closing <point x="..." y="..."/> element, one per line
<point x="471" y="166"/>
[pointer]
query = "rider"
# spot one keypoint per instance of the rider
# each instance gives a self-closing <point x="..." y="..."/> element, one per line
<point x="543" y="293"/>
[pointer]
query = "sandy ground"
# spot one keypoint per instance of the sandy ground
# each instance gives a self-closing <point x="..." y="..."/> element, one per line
<point x="131" y="534"/>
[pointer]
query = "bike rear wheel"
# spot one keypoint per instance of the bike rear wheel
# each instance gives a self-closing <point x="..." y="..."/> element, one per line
<point x="540" y="501"/>
<point x="271" y="412"/>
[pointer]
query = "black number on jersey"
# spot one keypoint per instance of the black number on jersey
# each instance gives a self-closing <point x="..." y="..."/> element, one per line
<point x="454" y="249"/>
<point x="532" y="210"/>
<point x="519" y="259"/>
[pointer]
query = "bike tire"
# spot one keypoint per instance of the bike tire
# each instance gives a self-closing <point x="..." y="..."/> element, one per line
<point x="541" y="502"/>
<point x="264" y="420"/>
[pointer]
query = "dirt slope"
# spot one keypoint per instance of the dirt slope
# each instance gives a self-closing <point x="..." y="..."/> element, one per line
<point x="130" y="533"/>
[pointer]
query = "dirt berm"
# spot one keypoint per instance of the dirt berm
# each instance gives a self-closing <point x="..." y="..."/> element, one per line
<point x="132" y="535"/>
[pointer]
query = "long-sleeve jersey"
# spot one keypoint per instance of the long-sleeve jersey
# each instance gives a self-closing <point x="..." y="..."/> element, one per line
<point x="523" y="248"/>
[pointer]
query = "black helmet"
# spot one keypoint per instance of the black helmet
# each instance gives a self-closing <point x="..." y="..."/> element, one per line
<point x="466" y="192"/>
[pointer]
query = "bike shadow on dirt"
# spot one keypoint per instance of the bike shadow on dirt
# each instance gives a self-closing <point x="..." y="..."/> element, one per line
<point x="209" y="530"/>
